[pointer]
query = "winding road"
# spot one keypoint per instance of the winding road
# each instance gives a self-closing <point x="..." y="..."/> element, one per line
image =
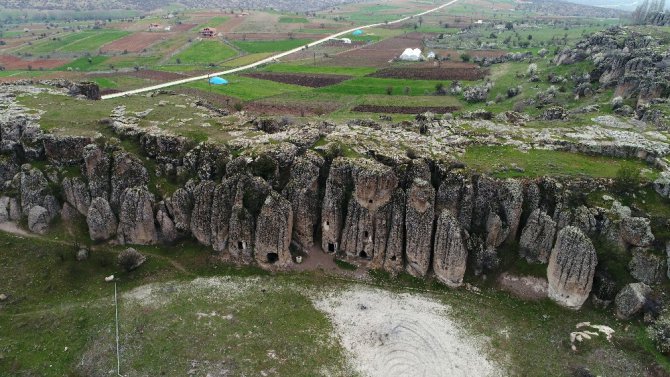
<point x="269" y="59"/>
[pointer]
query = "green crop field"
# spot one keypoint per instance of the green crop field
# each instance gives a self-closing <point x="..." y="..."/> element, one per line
<point x="82" y="41"/>
<point x="270" y="46"/>
<point x="372" y="85"/>
<point x="205" y="52"/>
<point x="246" y="88"/>
<point x="87" y="63"/>
<point x="292" y="20"/>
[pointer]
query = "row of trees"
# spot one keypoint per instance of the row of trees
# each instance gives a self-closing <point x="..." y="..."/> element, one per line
<point x="646" y="9"/>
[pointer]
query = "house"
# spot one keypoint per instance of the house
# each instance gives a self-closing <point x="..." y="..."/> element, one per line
<point x="155" y="27"/>
<point x="208" y="32"/>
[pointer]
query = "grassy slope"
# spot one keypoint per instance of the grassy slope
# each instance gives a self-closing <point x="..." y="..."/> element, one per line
<point x="205" y="52"/>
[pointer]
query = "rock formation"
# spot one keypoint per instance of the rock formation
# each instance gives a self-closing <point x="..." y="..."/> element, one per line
<point x="419" y="227"/>
<point x="537" y="237"/>
<point x="102" y="224"/>
<point x="136" y="217"/>
<point x="571" y="268"/>
<point x="450" y="254"/>
<point x="273" y="231"/>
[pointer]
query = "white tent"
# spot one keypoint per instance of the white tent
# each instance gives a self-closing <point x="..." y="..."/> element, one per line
<point x="411" y="55"/>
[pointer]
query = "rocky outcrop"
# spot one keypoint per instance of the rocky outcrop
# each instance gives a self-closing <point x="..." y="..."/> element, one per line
<point x="647" y="267"/>
<point x="33" y="187"/>
<point x="630" y="300"/>
<point x="97" y="168"/>
<point x="419" y="216"/>
<point x="537" y="237"/>
<point x="390" y="235"/>
<point x="450" y="254"/>
<point x="64" y="150"/>
<point x="338" y="187"/>
<point x="167" y="230"/>
<point x="77" y="194"/>
<point x="374" y="185"/>
<point x="201" y="216"/>
<point x="636" y="231"/>
<point x="179" y="206"/>
<point x="302" y="190"/>
<point x="136" y="217"/>
<point x="571" y="268"/>
<point x="127" y="172"/>
<point x="223" y="201"/>
<point x="273" y="231"/>
<point x="102" y="224"/>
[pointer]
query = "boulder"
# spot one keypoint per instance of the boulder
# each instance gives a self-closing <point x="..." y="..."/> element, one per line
<point x="631" y="299"/>
<point x="97" y="168"/>
<point x="131" y="259"/>
<point x="636" y="231"/>
<point x="449" y="255"/>
<point x="82" y="255"/>
<point x="77" y="194"/>
<point x="101" y="221"/>
<point x="136" y="217"/>
<point x="273" y="232"/>
<point x="38" y="220"/>
<point x="571" y="268"/>
<point x="537" y="237"/>
<point x="647" y="267"/>
<point x="69" y="213"/>
<point x="419" y="217"/>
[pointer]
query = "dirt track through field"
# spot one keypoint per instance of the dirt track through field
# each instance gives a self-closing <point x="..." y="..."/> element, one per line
<point x="271" y="58"/>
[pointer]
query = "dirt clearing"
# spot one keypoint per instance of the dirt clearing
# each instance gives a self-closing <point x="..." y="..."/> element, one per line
<point x="388" y="335"/>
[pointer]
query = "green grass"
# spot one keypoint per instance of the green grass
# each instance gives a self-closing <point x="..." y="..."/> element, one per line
<point x="84" y="64"/>
<point x="83" y="41"/>
<point x="345" y="265"/>
<point x="246" y="88"/>
<point x="292" y="20"/>
<point x="205" y="52"/>
<point x="296" y="68"/>
<point x="254" y="47"/>
<point x="105" y="83"/>
<point x="537" y="162"/>
<point x="216" y="21"/>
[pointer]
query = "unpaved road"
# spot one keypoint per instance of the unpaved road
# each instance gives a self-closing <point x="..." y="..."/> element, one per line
<point x="271" y="58"/>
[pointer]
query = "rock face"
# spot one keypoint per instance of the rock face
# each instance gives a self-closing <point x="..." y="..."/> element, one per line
<point x="630" y="300"/>
<point x="273" y="231"/>
<point x="419" y="227"/>
<point x="537" y="237"/>
<point x="635" y="231"/>
<point x="302" y="191"/>
<point x="647" y="267"/>
<point x="101" y="221"/>
<point x="374" y="185"/>
<point x="136" y="217"/>
<point x="33" y="187"/>
<point x="64" y="150"/>
<point x="390" y="235"/>
<point x="180" y="205"/>
<point x="77" y="194"/>
<point x="338" y="186"/>
<point x="571" y="268"/>
<point x="201" y="217"/>
<point x="127" y="172"/>
<point x="38" y="220"/>
<point x="168" y="232"/>
<point x="450" y="254"/>
<point x="97" y="168"/>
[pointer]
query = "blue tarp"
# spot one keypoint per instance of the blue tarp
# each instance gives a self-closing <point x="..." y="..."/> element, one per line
<point x="218" y="81"/>
<point x="357" y="32"/>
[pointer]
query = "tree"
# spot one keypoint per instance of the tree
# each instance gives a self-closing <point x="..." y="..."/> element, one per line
<point x="465" y="57"/>
<point x="509" y="25"/>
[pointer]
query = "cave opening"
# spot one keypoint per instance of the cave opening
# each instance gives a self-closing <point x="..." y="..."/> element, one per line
<point x="240" y="245"/>
<point x="272" y="257"/>
<point x="331" y="247"/>
<point x="363" y="254"/>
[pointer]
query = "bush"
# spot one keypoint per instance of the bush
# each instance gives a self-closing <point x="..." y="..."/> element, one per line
<point x="627" y="179"/>
<point x="389" y="90"/>
<point x="659" y="333"/>
<point x="465" y="57"/>
<point x="130" y="259"/>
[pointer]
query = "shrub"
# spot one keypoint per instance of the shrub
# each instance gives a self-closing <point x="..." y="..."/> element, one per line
<point x="465" y="57"/>
<point x="659" y="333"/>
<point x="238" y="106"/>
<point x="627" y="179"/>
<point x="131" y="259"/>
<point x="389" y="90"/>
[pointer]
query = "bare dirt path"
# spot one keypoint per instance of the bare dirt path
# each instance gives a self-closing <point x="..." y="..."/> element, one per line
<point x="271" y="58"/>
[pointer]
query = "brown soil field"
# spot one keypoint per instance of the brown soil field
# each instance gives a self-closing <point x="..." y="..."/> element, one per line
<point x="183" y="27"/>
<point x="11" y="62"/>
<point x="297" y="109"/>
<point x="309" y="80"/>
<point x="231" y="24"/>
<point x="378" y="54"/>
<point x="431" y="73"/>
<point x="404" y="109"/>
<point x="136" y="42"/>
<point x="456" y="55"/>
